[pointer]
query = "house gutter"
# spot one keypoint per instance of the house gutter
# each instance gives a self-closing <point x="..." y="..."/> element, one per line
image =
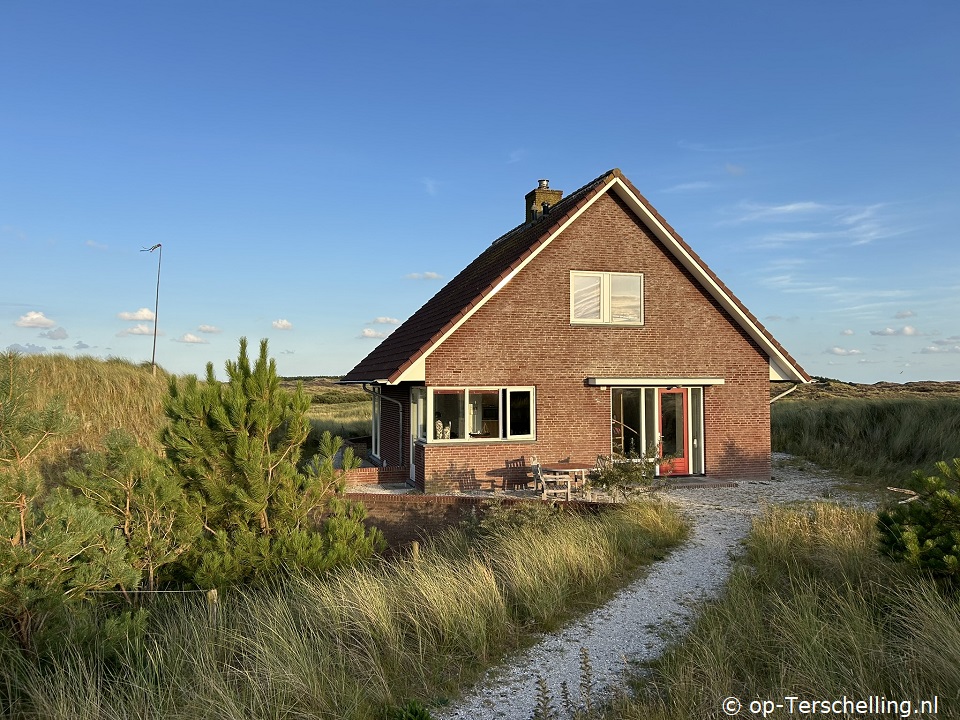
<point x="371" y="392"/>
<point x="785" y="393"/>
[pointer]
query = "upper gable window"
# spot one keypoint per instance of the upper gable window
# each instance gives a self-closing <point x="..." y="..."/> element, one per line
<point x="606" y="298"/>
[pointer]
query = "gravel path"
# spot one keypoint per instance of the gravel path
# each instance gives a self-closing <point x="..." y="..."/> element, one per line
<point x="631" y="626"/>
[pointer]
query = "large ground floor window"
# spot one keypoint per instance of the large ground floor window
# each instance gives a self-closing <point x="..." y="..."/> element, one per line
<point x="659" y="421"/>
<point x="476" y="414"/>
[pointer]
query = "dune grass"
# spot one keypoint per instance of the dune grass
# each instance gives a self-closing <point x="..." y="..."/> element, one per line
<point x="813" y="611"/>
<point x="347" y="419"/>
<point x="354" y="643"/>
<point x="880" y="438"/>
<point x="101" y="395"/>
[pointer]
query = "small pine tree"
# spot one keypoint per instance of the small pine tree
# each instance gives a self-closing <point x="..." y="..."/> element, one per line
<point x="55" y="550"/>
<point x="147" y="502"/>
<point x="924" y="531"/>
<point x="236" y="446"/>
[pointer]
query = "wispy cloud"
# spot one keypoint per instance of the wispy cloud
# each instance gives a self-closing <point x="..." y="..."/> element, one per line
<point x="209" y="329"/>
<point x="95" y="245"/>
<point x="28" y="349"/>
<point x="430" y="185"/>
<point x="383" y="320"/>
<point x="424" y="276"/>
<point x="750" y="212"/>
<point x="906" y="331"/>
<point x="80" y="345"/>
<point x="138" y="329"/>
<point x="689" y="186"/>
<point x="191" y="339"/>
<point x="140" y="315"/>
<point x="820" y="222"/>
<point x="735" y="170"/>
<point x="904" y="314"/>
<point x="848" y="331"/>
<point x="58" y="334"/>
<point x="282" y="324"/>
<point x="940" y="349"/>
<point x="34" y="319"/>
<point x="370" y="333"/>
<point x="516" y="156"/>
<point x="842" y="351"/>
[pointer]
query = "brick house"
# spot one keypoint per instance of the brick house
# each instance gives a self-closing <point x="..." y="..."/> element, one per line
<point x="589" y="329"/>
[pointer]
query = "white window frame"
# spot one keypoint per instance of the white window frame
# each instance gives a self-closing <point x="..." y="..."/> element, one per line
<point x="606" y="310"/>
<point x="504" y="393"/>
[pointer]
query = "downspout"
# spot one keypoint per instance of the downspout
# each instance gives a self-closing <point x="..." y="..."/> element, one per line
<point x="785" y="393"/>
<point x="371" y="392"/>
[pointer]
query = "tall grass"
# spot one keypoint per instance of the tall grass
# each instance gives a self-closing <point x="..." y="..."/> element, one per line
<point x="102" y="395"/>
<point x="344" y="419"/>
<point x="358" y="641"/>
<point x="880" y="438"/>
<point x="813" y="612"/>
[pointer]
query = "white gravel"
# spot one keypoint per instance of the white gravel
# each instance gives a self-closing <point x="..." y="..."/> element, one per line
<point x="636" y="624"/>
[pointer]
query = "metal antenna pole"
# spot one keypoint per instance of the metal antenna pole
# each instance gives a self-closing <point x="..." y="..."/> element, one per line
<point x="156" y="307"/>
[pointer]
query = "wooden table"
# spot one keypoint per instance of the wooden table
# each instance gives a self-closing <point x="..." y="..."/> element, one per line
<point x="570" y="468"/>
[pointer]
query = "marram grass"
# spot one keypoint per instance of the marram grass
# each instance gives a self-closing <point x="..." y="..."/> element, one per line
<point x="882" y="438"/>
<point x="353" y="643"/>
<point x="815" y="612"/>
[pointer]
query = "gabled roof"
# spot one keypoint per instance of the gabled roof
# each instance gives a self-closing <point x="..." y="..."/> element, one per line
<point x="400" y="356"/>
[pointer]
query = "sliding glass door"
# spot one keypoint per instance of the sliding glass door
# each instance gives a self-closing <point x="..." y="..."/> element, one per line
<point x="661" y="422"/>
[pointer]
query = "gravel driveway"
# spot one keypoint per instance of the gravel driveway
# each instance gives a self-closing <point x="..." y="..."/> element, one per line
<point x="629" y="627"/>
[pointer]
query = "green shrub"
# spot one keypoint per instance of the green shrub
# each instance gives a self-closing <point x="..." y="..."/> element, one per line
<point x="924" y="529"/>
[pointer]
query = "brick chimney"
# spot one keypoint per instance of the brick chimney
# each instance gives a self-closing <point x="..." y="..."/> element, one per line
<point x="535" y="199"/>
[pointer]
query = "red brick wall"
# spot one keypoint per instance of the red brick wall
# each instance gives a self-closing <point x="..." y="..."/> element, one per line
<point x="523" y="336"/>
<point x="403" y="518"/>
<point x="378" y="475"/>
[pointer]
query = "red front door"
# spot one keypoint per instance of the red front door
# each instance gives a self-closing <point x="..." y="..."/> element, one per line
<point x="673" y="432"/>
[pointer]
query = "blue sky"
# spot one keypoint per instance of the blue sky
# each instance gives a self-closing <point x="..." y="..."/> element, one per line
<point x="316" y="171"/>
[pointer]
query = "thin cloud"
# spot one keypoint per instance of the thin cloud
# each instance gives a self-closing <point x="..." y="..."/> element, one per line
<point x="282" y="324"/>
<point x="138" y="329"/>
<point x="28" y="349"/>
<point x="905" y="331"/>
<point x="842" y="351"/>
<point x="209" y="329"/>
<point x="81" y="345"/>
<point x="140" y="315"/>
<point x="430" y="185"/>
<point x="58" y="334"/>
<point x="383" y="320"/>
<point x="940" y="349"/>
<point x="516" y="156"/>
<point x="848" y="331"/>
<point x="190" y="339"/>
<point x="689" y="186"/>
<point x="34" y="319"/>
<point x="95" y="245"/>
<point x="952" y="340"/>
<point x="424" y="276"/>
<point x="371" y="334"/>
<point x="756" y="211"/>
<point x="735" y="170"/>
<point x="904" y="314"/>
